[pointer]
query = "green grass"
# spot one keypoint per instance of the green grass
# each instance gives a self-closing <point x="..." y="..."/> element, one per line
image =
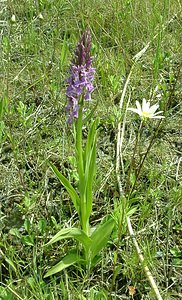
<point x="35" y="57"/>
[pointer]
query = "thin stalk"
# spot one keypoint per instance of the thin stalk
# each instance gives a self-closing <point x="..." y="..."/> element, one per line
<point x="133" y="156"/>
<point x="120" y="133"/>
<point x="144" y="158"/>
<point x="79" y="147"/>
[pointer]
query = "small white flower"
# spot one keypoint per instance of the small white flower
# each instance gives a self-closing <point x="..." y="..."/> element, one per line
<point x="40" y="16"/>
<point x="13" y="19"/>
<point x="147" y="111"/>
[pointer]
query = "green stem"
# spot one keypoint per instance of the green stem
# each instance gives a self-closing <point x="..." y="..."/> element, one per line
<point x="131" y="167"/>
<point x="80" y="165"/>
<point x="79" y="146"/>
<point x="144" y="158"/>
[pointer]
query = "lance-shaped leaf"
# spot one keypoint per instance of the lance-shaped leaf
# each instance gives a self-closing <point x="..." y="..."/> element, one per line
<point x="89" y="179"/>
<point x="101" y="236"/>
<point x="91" y="138"/>
<point x="76" y="233"/>
<point x="67" y="261"/>
<point x="90" y="165"/>
<point x="70" y="189"/>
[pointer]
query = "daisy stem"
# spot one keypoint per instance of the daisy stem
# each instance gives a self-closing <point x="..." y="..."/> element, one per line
<point x="133" y="156"/>
<point x="144" y="157"/>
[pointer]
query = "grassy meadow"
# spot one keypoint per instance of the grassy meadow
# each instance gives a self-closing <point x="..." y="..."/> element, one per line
<point x="136" y="49"/>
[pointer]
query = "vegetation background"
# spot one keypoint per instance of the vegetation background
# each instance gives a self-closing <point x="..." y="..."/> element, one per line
<point x="37" y="42"/>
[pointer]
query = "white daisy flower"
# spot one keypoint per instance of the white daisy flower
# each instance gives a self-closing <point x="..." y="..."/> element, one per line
<point x="147" y="111"/>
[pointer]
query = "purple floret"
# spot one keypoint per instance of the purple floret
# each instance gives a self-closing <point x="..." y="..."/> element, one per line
<point x="81" y="76"/>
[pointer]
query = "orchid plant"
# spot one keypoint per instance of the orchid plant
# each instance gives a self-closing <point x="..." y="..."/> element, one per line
<point x="78" y="91"/>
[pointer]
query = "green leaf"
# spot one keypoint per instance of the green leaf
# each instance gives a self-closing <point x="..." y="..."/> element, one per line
<point x="27" y="225"/>
<point x="28" y="240"/>
<point x="73" y="194"/>
<point x="101" y="236"/>
<point x="67" y="261"/>
<point x="76" y="233"/>
<point x="131" y="211"/>
<point x="54" y="222"/>
<point x="42" y="226"/>
<point x="10" y="262"/>
<point x="90" y="166"/>
<point x="91" y="139"/>
<point x="89" y="116"/>
<point x="5" y="294"/>
<point x="90" y="179"/>
<point x="15" y="232"/>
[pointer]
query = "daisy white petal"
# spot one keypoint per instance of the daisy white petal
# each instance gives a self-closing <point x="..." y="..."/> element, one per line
<point x="158" y="117"/>
<point x="139" y="108"/>
<point x="134" y="110"/>
<point x="153" y="108"/>
<point x="145" y="105"/>
<point x="159" y="112"/>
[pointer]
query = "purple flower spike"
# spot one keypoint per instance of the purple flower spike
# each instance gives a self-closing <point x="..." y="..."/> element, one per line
<point x="81" y="76"/>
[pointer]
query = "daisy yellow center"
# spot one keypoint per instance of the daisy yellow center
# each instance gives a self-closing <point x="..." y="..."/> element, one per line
<point x="146" y="114"/>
